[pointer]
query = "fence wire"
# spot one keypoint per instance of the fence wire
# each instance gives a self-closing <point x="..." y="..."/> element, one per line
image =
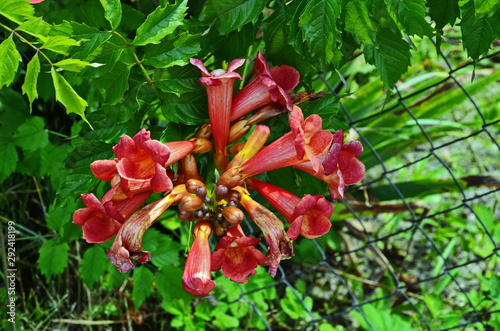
<point x="403" y="278"/>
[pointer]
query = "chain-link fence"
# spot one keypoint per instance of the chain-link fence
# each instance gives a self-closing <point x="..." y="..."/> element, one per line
<point x="418" y="240"/>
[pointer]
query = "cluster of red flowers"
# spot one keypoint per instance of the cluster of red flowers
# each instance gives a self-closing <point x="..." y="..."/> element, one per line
<point x="142" y="166"/>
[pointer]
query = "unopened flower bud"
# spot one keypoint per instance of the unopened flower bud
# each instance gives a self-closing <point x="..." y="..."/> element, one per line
<point x="202" y="145"/>
<point x="191" y="203"/>
<point x="201" y="192"/>
<point x="220" y="230"/>
<point x="238" y="130"/>
<point x="185" y="215"/>
<point x="205" y="131"/>
<point x="198" y="214"/>
<point x="192" y="184"/>
<point x="233" y="215"/>
<point x="233" y="195"/>
<point x="221" y="192"/>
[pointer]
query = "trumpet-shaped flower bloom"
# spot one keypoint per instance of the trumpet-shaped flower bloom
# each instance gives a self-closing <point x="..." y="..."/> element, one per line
<point x="128" y="241"/>
<point x="101" y="220"/>
<point x="219" y="84"/>
<point x="236" y="255"/>
<point x="339" y="167"/>
<point x="309" y="216"/>
<point x="305" y="142"/>
<point x="270" y="85"/>
<point x="140" y="163"/>
<point x="196" y="277"/>
<point x="280" y="245"/>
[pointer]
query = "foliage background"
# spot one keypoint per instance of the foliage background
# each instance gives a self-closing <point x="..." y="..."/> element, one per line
<point x="414" y="247"/>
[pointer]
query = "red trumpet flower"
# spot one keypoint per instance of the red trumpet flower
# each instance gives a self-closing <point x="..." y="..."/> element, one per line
<point x="280" y="245"/>
<point x="305" y="142"/>
<point x="140" y="163"/>
<point x="339" y="167"/>
<point x="236" y="255"/>
<point x="128" y="241"/>
<point x="219" y="85"/>
<point x="196" y="277"/>
<point x="309" y="216"/>
<point x="270" y="85"/>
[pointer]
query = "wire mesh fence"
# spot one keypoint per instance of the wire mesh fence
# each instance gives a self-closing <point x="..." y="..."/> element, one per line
<point x="430" y="257"/>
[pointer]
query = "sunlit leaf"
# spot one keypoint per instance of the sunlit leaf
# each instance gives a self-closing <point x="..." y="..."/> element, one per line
<point x="113" y="12"/>
<point x="31" y="78"/>
<point x="72" y="65"/>
<point x="66" y="95"/>
<point x="486" y="7"/>
<point x="36" y="27"/>
<point x="59" y="44"/>
<point x="10" y="61"/>
<point x="16" y="11"/>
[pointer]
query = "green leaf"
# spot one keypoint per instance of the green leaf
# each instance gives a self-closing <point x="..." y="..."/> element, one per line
<point x="478" y="34"/>
<point x="113" y="84"/>
<point x="486" y="7"/>
<point x="53" y="258"/>
<point x="443" y="12"/>
<point x="94" y="264"/>
<point x="59" y="44"/>
<point x="31" y="78"/>
<point x="175" y="52"/>
<point x="36" y="27"/>
<point x="60" y="214"/>
<point x="113" y="12"/>
<point x="318" y="25"/>
<point x="143" y="285"/>
<point x="276" y="37"/>
<point x="224" y="321"/>
<point x="10" y="61"/>
<point x="177" y="80"/>
<point x="189" y="108"/>
<point x="72" y="65"/>
<point x="234" y="45"/>
<point x="31" y="135"/>
<point x="67" y="95"/>
<point x="160" y="23"/>
<point x="75" y="30"/>
<point x="167" y="254"/>
<point x="169" y="284"/>
<point x="9" y="157"/>
<point x="358" y="22"/>
<point x="16" y="11"/>
<point x="411" y="15"/>
<point x="391" y="57"/>
<point x="91" y="46"/>
<point x="328" y="108"/>
<point x="233" y="14"/>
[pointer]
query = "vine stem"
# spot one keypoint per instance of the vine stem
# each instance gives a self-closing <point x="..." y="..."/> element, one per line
<point x="139" y="63"/>
<point x="17" y="34"/>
